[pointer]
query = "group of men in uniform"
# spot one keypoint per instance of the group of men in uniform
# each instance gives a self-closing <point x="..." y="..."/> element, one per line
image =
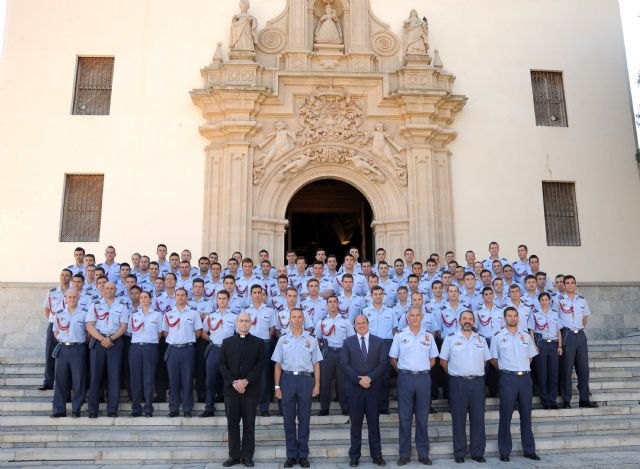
<point x="152" y="325"/>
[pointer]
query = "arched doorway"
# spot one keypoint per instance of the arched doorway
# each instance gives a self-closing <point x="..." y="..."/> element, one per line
<point x="329" y="214"/>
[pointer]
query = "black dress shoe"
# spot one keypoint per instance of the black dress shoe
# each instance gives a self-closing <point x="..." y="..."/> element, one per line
<point x="45" y="387"/>
<point x="112" y="414"/>
<point x="75" y="415"/>
<point x="207" y="413"/>
<point x="323" y="413"/>
<point x="290" y="462"/>
<point x="566" y="405"/>
<point x="459" y="460"/>
<point x="403" y="461"/>
<point x="135" y="414"/>
<point x="248" y="462"/>
<point x="148" y="414"/>
<point x="553" y="406"/>
<point x="304" y="462"/>
<point x="427" y="462"/>
<point x="201" y="400"/>
<point x="231" y="462"/>
<point x="432" y="410"/>
<point x="384" y="412"/>
<point x="532" y="456"/>
<point x="345" y="412"/>
<point x="56" y="415"/>
<point x="588" y="404"/>
<point x="93" y="416"/>
<point x="504" y="458"/>
<point x="478" y="458"/>
<point x="174" y="414"/>
<point x="187" y="415"/>
<point x="265" y="414"/>
<point x="354" y="462"/>
<point x="379" y="461"/>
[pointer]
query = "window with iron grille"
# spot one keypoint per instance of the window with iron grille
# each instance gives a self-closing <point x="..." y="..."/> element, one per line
<point x="82" y="209"/>
<point x="92" y="95"/>
<point x="561" y="213"/>
<point x="548" y="99"/>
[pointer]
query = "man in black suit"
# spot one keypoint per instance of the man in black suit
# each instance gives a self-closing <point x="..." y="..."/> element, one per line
<point x="242" y="359"/>
<point x="364" y="362"/>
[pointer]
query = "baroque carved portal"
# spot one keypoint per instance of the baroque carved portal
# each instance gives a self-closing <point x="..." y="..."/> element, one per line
<point x="327" y="90"/>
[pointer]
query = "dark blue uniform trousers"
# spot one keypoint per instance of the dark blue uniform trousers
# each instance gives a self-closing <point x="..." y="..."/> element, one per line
<point x="50" y="362"/>
<point x="296" y="402"/>
<point x="330" y="369"/>
<point x="143" y="362"/>
<point x="101" y="359"/>
<point x="414" y="397"/>
<point x="514" y="390"/>
<point x="213" y="375"/>
<point x="180" y="364"/>
<point x="546" y="363"/>
<point x="70" y="367"/>
<point x="265" y="389"/>
<point x="575" y="353"/>
<point x="386" y="380"/>
<point x="467" y="396"/>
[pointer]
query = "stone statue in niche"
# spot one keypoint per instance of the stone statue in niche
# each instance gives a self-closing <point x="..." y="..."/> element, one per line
<point x="329" y="30"/>
<point x="281" y="140"/>
<point x="243" y="29"/>
<point x="416" y="33"/>
<point x="381" y="145"/>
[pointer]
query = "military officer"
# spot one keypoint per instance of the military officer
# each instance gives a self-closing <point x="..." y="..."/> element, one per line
<point x="145" y="327"/>
<point x="78" y="266"/>
<point x="494" y="253"/>
<point x="450" y="312"/>
<point x="413" y="354"/>
<point x="463" y="357"/>
<point x="204" y="306"/>
<point x="332" y="332"/>
<point x="314" y="305"/>
<point x="297" y="360"/>
<point x="511" y="354"/>
<point x="489" y="321"/>
<point x="181" y="327"/>
<point x="69" y="329"/>
<point x="217" y="326"/>
<point x="107" y="321"/>
<point x="110" y="266"/>
<point x="349" y="304"/>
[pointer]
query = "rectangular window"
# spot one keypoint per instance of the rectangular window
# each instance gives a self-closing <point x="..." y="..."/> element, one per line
<point x="561" y="213"/>
<point x="548" y="99"/>
<point x="92" y="95"/>
<point x="82" y="209"/>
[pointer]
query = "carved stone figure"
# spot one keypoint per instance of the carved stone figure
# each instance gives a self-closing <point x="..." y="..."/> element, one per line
<point x="381" y="144"/>
<point x="416" y="33"/>
<point x="281" y="143"/>
<point x="366" y="166"/>
<point x="296" y="164"/>
<point x="329" y="30"/>
<point x="243" y="29"/>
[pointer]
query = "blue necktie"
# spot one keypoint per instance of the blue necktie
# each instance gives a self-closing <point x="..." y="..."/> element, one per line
<point x="363" y="347"/>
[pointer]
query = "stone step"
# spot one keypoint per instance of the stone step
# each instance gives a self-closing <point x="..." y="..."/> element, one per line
<point x="177" y="454"/>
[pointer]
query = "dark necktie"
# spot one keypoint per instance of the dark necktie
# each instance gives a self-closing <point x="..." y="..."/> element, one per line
<point x="363" y="347"/>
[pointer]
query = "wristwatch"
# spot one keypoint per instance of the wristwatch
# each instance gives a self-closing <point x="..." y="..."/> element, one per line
<point x="276" y="388"/>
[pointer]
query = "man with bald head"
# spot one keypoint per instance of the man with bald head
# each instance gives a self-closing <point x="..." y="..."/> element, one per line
<point x="241" y="362"/>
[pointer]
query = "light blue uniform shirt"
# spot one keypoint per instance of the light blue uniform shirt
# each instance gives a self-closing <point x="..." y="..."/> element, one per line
<point x="108" y="317"/>
<point x="70" y="327"/>
<point x="449" y="318"/>
<point x="546" y="324"/>
<point x="203" y="305"/>
<point x="471" y="302"/>
<point x="360" y="286"/>
<point x="243" y="288"/>
<point x="187" y="284"/>
<point x="297" y="353"/>
<point x="489" y="321"/>
<point x="390" y="292"/>
<point x="381" y="322"/>
<point x="181" y="325"/>
<point x="144" y="328"/>
<point x="401" y="314"/>
<point x="164" y="303"/>
<point x="572" y="311"/>
<point x="350" y="307"/>
<point x="113" y="272"/>
<point x="297" y="281"/>
<point x="326" y="286"/>
<point x="524" y="312"/>
<point x="262" y="319"/>
<point x="219" y="325"/>
<point x="487" y="264"/>
<point x="283" y="318"/>
<point x="413" y="351"/>
<point x="54" y="301"/>
<point x="334" y="330"/>
<point x="520" y="270"/>
<point x="315" y="309"/>
<point x="513" y="351"/>
<point x="465" y="356"/>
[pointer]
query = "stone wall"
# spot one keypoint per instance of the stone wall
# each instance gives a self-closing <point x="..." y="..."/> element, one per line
<point x="615" y="308"/>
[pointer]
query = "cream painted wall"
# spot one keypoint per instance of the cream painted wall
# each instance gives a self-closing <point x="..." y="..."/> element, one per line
<point x="152" y="155"/>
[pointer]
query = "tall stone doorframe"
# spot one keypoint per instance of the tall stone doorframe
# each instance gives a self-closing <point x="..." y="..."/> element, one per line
<point x="326" y="90"/>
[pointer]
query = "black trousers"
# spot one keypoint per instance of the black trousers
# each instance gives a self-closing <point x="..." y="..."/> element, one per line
<point x="241" y="408"/>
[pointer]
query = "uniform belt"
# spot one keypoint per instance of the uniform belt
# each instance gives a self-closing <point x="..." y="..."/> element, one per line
<point x="69" y="344"/>
<point x="409" y="372"/>
<point x="267" y="340"/>
<point x="190" y="344"/>
<point x="297" y="373"/>
<point x="469" y="377"/>
<point x="574" y="331"/>
<point x="216" y="345"/>
<point x="549" y="341"/>
<point x="517" y="373"/>
<point x="144" y="343"/>
<point x="334" y="349"/>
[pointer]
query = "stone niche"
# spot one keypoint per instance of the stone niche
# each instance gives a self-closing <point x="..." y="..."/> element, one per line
<point x="327" y="90"/>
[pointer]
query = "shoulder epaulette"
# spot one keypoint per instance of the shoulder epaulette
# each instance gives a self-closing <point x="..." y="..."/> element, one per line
<point x="580" y="296"/>
<point x="53" y="289"/>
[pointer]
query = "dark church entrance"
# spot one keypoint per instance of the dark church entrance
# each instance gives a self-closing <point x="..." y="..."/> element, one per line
<point x="329" y="214"/>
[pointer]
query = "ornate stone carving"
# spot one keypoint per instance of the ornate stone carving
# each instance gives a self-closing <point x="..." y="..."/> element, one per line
<point x="272" y="40"/>
<point x="281" y="143"/>
<point x="328" y="30"/>
<point x="243" y="29"/>
<point x="383" y="145"/>
<point x="329" y="115"/>
<point x="416" y="33"/>
<point x="385" y="43"/>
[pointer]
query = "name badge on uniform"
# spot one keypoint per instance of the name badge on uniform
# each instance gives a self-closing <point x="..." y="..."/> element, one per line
<point x="427" y="339"/>
<point x="405" y="341"/>
<point x="307" y="344"/>
<point x="286" y="342"/>
<point x="457" y="343"/>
